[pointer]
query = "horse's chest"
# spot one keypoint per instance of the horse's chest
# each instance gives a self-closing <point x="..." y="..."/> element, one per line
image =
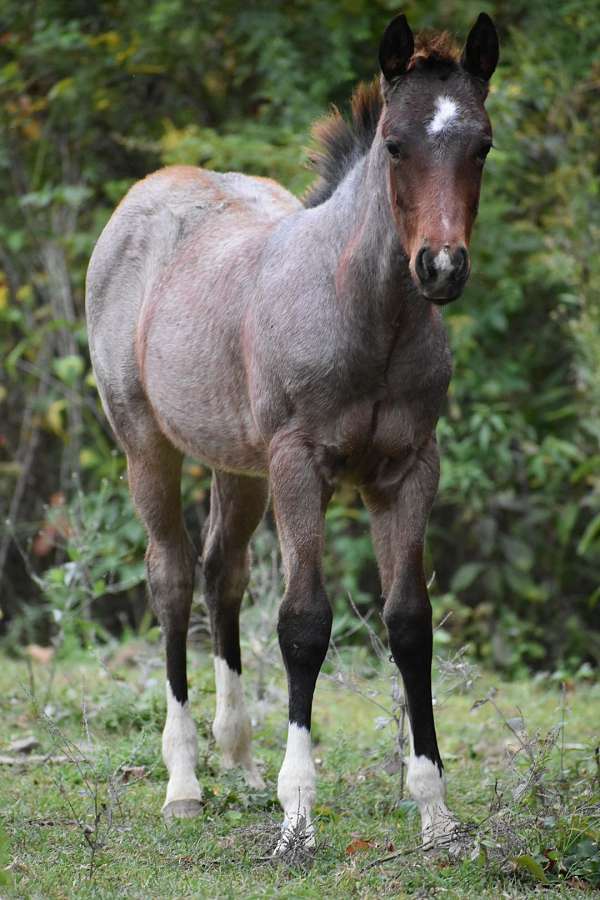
<point x="396" y="419"/>
<point x="386" y="425"/>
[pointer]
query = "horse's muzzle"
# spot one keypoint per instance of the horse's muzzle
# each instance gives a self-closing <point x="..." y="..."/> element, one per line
<point x="442" y="276"/>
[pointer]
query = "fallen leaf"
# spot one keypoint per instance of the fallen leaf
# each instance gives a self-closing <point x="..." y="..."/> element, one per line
<point x="17" y="866"/>
<point x="358" y="844"/>
<point x="578" y="883"/>
<point x="39" y="654"/>
<point x="132" y="773"/>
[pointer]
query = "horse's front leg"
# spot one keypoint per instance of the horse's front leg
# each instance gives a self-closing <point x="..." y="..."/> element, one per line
<point x="399" y="515"/>
<point x="299" y="500"/>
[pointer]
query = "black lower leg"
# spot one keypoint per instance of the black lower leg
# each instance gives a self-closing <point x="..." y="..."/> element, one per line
<point x="304" y="630"/>
<point x="226" y="637"/>
<point x="176" y="653"/>
<point x="411" y="643"/>
<point x="170" y="578"/>
<point x="225" y="581"/>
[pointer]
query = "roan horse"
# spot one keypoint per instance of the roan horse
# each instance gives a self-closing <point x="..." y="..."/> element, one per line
<point x="290" y="345"/>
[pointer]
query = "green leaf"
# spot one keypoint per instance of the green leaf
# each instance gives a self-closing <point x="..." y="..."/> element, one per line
<point x="589" y="535"/>
<point x="69" y="368"/>
<point x="465" y="576"/>
<point x="56" y="575"/>
<point x="566" y="522"/>
<point x="528" y="864"/>
<point x="518" y="553"/>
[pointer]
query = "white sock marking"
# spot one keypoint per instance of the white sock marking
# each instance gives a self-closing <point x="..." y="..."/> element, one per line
<point x="232" y="727"/>
<point x="428" y="788"/>
<point x="446" y="115"/>
<point x="296" y="786"/>
<point x="180" y="751"/>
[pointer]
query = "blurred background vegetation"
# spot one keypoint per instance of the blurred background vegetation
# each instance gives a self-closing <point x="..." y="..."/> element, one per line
<point x="94" y="96"/>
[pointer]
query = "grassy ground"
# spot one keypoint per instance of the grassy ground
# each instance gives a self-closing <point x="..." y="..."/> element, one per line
<point x="82" y="828"/>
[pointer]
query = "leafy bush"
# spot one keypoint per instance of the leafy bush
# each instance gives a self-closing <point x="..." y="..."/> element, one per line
<point x="92" y="99"/>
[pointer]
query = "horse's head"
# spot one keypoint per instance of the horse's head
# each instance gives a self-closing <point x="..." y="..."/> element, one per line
<point x="437" y="133"/>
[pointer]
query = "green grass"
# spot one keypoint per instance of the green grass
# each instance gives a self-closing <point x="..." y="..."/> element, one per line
<point x="113" y="710"/>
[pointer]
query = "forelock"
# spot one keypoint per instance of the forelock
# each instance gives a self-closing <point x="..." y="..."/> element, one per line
<point x="434" y="47"/>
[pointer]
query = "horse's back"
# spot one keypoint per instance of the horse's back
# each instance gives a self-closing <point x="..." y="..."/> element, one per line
<point x="165" y="224"/>
<point x="159" y="214"/>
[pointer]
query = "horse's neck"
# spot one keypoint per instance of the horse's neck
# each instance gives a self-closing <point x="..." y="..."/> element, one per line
<point x="371" y="271"/>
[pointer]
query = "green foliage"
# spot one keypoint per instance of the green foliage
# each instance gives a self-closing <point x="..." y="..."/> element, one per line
<point x="100" y="558"/>
<point x="92" y="98"/>
<point x="521" y="474"/>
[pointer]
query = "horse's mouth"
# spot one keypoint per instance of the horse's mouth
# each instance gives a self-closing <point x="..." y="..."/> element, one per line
<point x="443" y="300"/>
<point x="443" y="296"/>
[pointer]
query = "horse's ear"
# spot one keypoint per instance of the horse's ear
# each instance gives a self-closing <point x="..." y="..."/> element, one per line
<point x="396" y="48"/>
<point x="480" y="56"/>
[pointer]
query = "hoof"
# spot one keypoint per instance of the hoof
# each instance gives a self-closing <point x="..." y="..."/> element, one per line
<point x="447" y="835"/>
<point x="297" y="839"/>
<point x="181" y="809"/>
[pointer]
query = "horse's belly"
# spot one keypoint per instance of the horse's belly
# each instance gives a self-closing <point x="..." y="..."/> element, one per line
<point x="201" y="420"/>
<point x="194" y="376"/>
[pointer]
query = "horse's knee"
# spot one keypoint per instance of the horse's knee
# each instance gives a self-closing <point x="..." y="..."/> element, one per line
<point x="304" y="626"/>
<point x="407" y="617"/>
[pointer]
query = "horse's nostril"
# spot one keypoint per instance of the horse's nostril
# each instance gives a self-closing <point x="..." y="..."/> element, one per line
<point x="461" y="262"/>
<point x="424" y="264"/>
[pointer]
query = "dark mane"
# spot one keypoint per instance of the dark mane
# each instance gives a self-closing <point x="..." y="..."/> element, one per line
<point x="340" y="143"/>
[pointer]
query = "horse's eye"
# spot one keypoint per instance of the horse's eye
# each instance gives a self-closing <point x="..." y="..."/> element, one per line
<point x="395" y="149"/>
<point x="482" y="153"/>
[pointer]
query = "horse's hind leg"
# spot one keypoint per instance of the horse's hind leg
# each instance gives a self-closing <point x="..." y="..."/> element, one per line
<point x="154" y="480"/>
<point x="237" y="504"/>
